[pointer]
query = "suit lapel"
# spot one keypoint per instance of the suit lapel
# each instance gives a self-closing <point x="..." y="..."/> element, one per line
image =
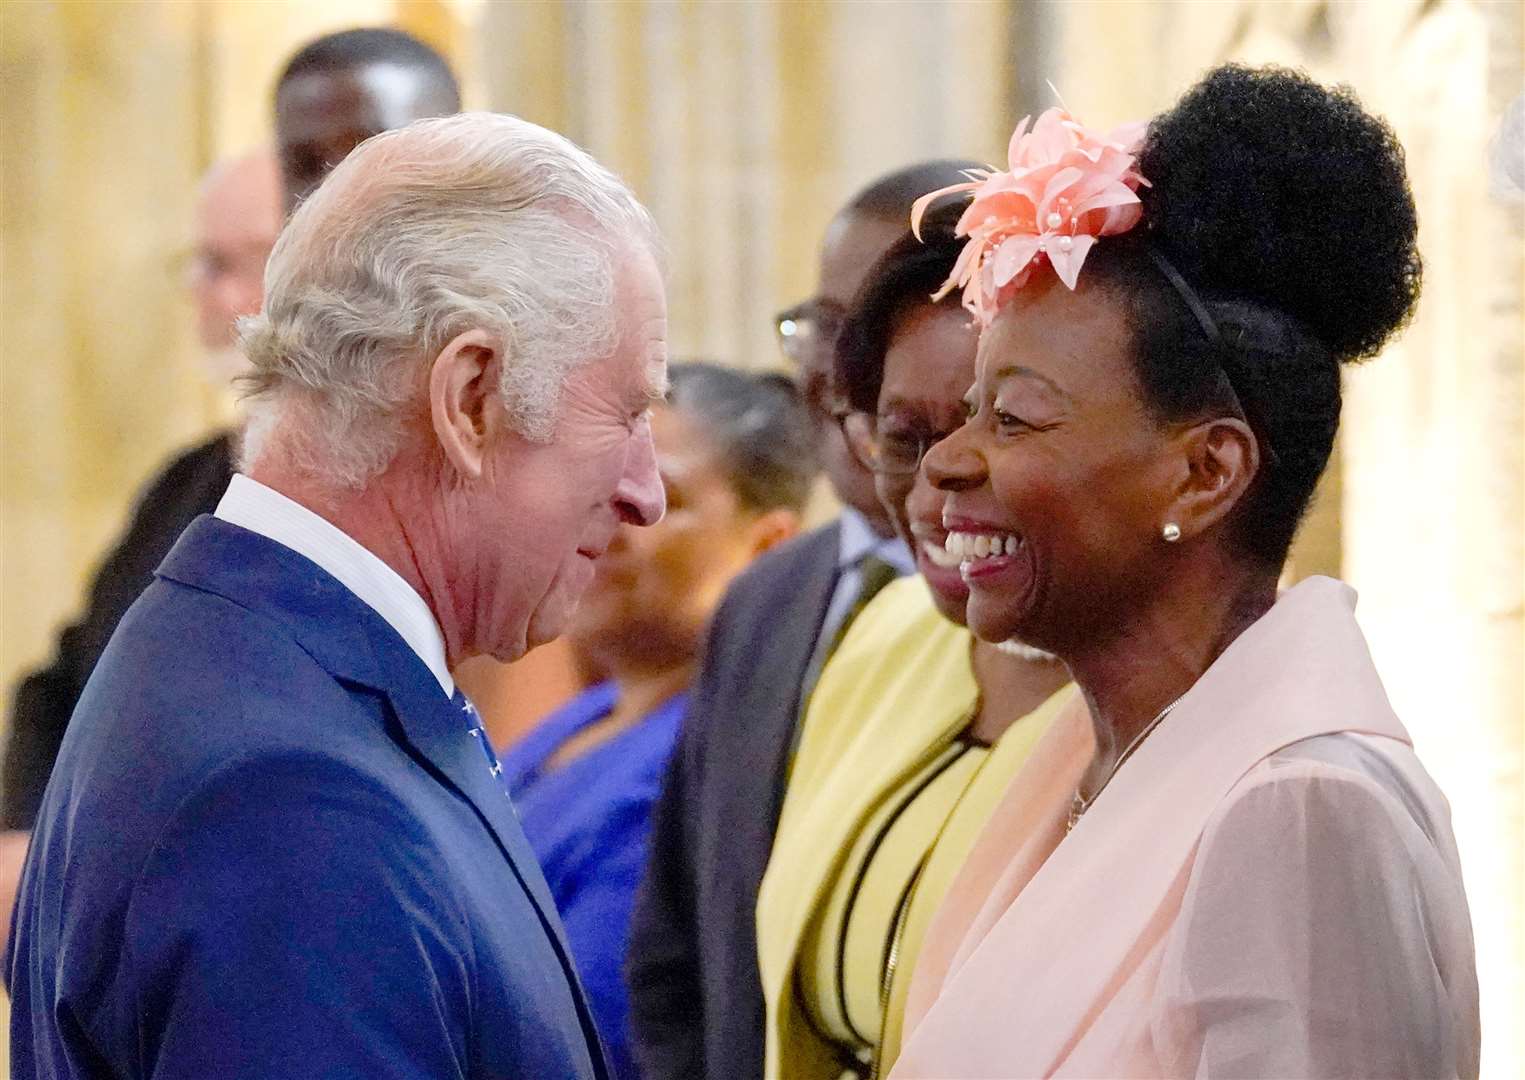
<point x="356" y="645"/>
<point x="440" y="734"/>
<point x="787" y="640"/>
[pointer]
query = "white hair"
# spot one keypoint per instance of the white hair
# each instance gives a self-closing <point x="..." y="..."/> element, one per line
<point x="473" y="221"/>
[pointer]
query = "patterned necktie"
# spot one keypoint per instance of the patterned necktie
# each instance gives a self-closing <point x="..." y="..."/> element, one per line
<point x="475" y="729"/>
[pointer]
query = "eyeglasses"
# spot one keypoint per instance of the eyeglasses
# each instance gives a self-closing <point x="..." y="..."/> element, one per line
<point x="808" y="327"/>
<point x="892" y="451"/>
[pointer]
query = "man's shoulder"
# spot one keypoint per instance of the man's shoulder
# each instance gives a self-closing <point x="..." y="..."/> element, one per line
<point x="194" y="476"/>
<point x="778" y="575"/>
<point x="199" y="678"/>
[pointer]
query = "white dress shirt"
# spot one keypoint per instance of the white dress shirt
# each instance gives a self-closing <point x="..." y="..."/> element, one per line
<point x="857" y="542"/>
<point x="253" y="506"/>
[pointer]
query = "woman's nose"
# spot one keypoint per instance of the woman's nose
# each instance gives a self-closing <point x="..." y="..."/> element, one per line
<point x="953" y="464"/>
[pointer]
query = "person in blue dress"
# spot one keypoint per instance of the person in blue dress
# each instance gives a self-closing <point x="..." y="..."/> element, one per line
<point x="736" y="455"/>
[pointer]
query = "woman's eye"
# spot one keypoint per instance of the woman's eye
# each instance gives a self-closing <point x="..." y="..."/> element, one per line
<point x="1009" y="422"/>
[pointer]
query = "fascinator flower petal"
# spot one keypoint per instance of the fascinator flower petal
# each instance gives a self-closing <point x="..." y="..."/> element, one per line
<point x="919" y="207"/>
<point x="1067" y="258"/>
<point x="1011" y="257"/>
<point x="1065" y="186"/>
<point x="1015" y="145"/>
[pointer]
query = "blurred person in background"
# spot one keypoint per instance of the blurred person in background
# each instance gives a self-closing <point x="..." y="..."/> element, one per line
<point x="334" y="93"/>
<point x="915" y="728"/>
<point x="345" y="87"/>
<point x="737" y="457"/>
<point x="696" y="997"/>
<point x="276" y="842"/>
<point x="238" y="217"/>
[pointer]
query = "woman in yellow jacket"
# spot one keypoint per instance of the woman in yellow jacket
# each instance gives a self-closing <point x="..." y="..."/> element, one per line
<point x="914" y="729"/>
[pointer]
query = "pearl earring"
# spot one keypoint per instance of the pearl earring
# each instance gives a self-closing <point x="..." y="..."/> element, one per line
<point x="1171" y="532"/>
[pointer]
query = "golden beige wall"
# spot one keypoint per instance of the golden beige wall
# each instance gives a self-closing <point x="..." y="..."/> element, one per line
<point x="109" y="113"/>
<point x="745" y="125"/>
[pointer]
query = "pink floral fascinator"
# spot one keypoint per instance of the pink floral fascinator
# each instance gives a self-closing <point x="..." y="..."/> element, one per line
<point x="1064" y="187"/>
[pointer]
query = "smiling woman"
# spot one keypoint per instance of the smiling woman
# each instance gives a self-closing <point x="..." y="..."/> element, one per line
<point x="914" y="729"/>
<point x="1235" y="864"/>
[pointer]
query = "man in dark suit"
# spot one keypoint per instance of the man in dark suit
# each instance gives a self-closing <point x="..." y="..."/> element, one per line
<point x="696" y="996"/>
<point x="276" y="842"/>
<point x="334" y="93"/>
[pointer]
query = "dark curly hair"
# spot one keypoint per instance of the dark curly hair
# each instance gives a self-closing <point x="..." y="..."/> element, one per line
<point x="905" y="276"/>
<point x="1287" y="209"/>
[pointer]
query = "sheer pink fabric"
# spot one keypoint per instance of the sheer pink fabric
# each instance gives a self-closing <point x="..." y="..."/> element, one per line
<point x="1270" y="887"/>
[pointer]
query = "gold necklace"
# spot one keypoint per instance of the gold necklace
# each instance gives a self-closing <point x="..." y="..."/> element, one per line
<point x="1079" y="804"/>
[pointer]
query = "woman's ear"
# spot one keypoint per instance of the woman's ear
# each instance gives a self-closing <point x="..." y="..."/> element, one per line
<point x="463" y="404"/>
<point x="770" y="529"/>
<point x="1222" y="457"/>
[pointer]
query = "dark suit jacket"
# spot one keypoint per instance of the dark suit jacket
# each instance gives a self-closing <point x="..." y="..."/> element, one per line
<point x="272" y="848"/>
<point x="188" y="487"/>
<point x="696" y="996"/>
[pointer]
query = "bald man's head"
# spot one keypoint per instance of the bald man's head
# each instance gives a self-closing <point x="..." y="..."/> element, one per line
<point x="238" y="217"/>
<point x="345" y="87"/>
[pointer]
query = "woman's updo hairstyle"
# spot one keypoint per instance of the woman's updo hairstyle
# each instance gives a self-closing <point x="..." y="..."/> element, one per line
<point x="1286" y="208"/>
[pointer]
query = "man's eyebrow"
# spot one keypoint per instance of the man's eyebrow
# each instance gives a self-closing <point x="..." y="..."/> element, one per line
<point x="1017" y="371"/>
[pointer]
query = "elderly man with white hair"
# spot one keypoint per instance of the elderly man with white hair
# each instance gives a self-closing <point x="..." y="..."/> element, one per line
<point x="276" y="842"/>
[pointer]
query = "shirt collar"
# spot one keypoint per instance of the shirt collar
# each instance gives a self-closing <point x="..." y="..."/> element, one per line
<point x="260" y="509"/>
<point x="856" y="541"/>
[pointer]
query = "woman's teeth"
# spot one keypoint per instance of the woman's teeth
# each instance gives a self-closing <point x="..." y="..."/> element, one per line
<point x="939" y="555"/>
<point x="966" y="546"/>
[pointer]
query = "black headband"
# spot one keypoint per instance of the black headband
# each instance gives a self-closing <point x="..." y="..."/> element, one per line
<point x="1189" y="295"/>
<point x="1209" y="327"/>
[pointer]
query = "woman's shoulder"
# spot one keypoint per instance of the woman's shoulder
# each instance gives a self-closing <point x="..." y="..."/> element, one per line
<point x="1340" y="775"/>
<point x="900" y="616"/>
<point x="523" y="760"/>
<point x="899" y="651"/>
<point x="1339" y="812"/>
<point x="1326" y="884"/>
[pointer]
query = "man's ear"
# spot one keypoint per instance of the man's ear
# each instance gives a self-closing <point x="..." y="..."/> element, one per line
<point x="1222" y="458"/>
<point x="770" y="529"/>
<point x="463" y="382"/>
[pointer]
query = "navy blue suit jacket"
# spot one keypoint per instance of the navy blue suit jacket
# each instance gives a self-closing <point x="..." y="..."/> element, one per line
<point x="272" y="848"/>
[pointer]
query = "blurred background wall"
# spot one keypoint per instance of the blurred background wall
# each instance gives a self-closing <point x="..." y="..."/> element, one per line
<point x="744" y="125"/>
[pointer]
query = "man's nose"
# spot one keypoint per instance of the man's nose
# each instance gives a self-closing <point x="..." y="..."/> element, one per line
<point x="953" y="464"/>
<point x="639" y="498"/>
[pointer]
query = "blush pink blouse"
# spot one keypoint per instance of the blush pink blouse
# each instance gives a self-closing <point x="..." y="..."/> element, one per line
<point x="1269" y="887"/>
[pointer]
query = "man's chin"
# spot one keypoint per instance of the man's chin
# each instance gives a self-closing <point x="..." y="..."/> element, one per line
<point x="549" y="622"/>
<point x="553" y="616"/>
